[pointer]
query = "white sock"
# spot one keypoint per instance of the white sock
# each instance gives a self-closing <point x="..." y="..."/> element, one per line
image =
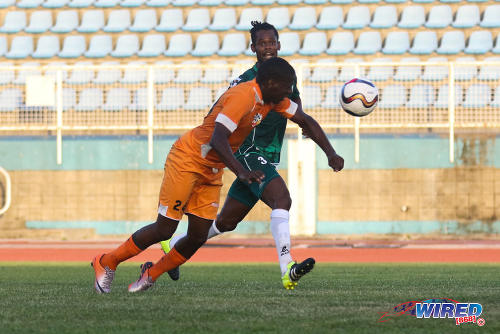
<point x="281" y="234"/>
<point x="212" y="232"/>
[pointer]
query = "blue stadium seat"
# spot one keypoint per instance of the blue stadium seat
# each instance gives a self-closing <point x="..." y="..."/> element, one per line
<point x="20" y="47"/>
<point x="197" y="20"/>
<point x="412" y="17"/>
<point x="477" y="96"/>
<point x="67" y="21"/>
<point x="421" y="96"/>
<point x="396" y="42"/>
<point x="496" y="100"/>
<point x="358" y="17"/>
<point x="133" y="74"/>
<point x="439" y="17"/>
<point x="342" y="43"/>
<point x="210" y="3"/>
<point x="92" y="21"/>
<point x="10" y="99"/>
<point x="144" y="20"/>
<point x="369" y="42"/>
<point x="79" y="75"/>
<point x="491" y="17"/>
<point x="233" y="45"/>
<point x="496" y="48"/>
<point x="132" y="3"/>
<point x="179" y="45"/>
<point x="99" y="47"/>
<point x="199" y="98"/>
<point x="250" y="53"/>
<point x="463" y="71"/>
<point x="289" y="2"/>
<point x="55" y="3"/>
<point x="467" y="16"/>
<point x="332" y="97"/>
<point x="452" y="42"/>
<point x="216" y="74"/>
<point x="279" y="17"/>
<point x="247" y="15"/>
<point x="171" y="20"/>
<point x="28" y="69"/>
<point x="80" y="3"/>
<point x="384" y="17"/>
<point x="6" y="77"/>
<point x="224" y="19"/>
<point x="369" y="1"/>
<point x="172" y="98"/>
<point x="90" y="100"/>
<point x="27" y="4"/>
<point x="392" y="96"/>
<point x="380" y="73"/>
<point x="424" y="43"/>
<point x="7" y="3"/>
<point x="40" y="22"/>
<point x="315" y="2"/>
<point x="183" y="3"/>
<point x="290" y="44"/>
<point x="153" y="45"/>
<point x="189" y="74"/>
<point x="435" y="72"/>
<point x="73" y="47"/>
<point x="140" y="100"/>
<point x="311" y="97"/>
<point x="206" y="45"/>
<point x="126" y="46"/>
<point x="108" y="75"/>
<point x="118" y="21"/>
<point x="449" y="1"/>
<point x="348" y="72"/>
<point x="443" y="93"/>
<point x="490" y="72"/>
<point x="330" y="18"/>
<point x="157" y="3"/>
<point x="324" y="73"/>
<point x="117" y="99"/>
<point x="342" y="2"/>
<point x="315" y="43"/>
<point x="106" y="3"/>
<point x="408" y="72"/>
<point x="47" y="47"/>
<point x="480" y="42"/>
<point x="303" y="19"/>
<point x="14" y="22"/>
<point x="162" y="73"/>
<point x="395" y="1"/>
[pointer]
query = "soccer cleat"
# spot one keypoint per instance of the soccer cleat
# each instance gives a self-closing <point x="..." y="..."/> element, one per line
<point x="145" y="281"/>
<point x="295" y="272"/>
<point x="103" y="276"/>
<point x="173" y="273"/>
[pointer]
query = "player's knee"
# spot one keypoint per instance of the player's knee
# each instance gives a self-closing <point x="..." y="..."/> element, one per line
<point x="224" y="225"/>
<point x="196" y="240"/>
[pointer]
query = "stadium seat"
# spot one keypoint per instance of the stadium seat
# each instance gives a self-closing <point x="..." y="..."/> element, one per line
<point x="421" y="96"/>
<point x="250" y="53"/>
<point x="73" y="47"/>
<point x="233" y="45"/>
<point x="68" y="98"/>
<point x="140" y="100"/>
<point x="491" y="17"/>
<point x="163" y="74"/>
<point x="330" y="18"/>
<point x="369" y="1"/>
<point x="14" y="22"/>
<point x="496" y="48"/>
<point x="106" y="3"/>
<point x="80" y="3"/>
<point x="279" y="17"/>
<point x="27" y="4"/>
<point x="197" y="20"/>
<point x="303" y="19"/>
<point x="369" y="42"/>
<point x="412" y="17"/>
<point x="117" y="99"/>
<point x="435" y="72"/>
<point x="183" y="3"/>
<point x="6" y="76"/>
<point x="172" y="98"/>
<point x="247" y="15"/>
<point x="384" y="17"/>
<point x="215" y="74"/>
<point x="199" y="98"/>
<point x="480" y="42"/>
<point x="118" y="21"/>
<point x="349" y="72"/>
<point x="206" y="45"/>
<point x="7" y="3"/>
<point x="290" y="44"/>
<point x="126" y="46"/>
<point x="380" y="73"/>
<point x="190" y="73"/>
<point x="171" y="20"/>
<point x="52" y="69"/>
<point x="153" y="45"/>
<point x="132" y="3"/>
<point x="3" y="45"/>
<point x="289" y="2"/>
<point x="392" y="96"/>
<point x="396" y="42"/>
<point x="439" y="17"/>
<point x="443" y="93"/>
<point x="342" y="43"/>
<point x="332" y="97"/>
<point x="10" y="99"/>
<point x="452" y="42"/>
<point x="358" y="17"/>
<point x="133" y="74"/>
<point x="490" y="72"/>
<point x="90" y="100"/>
<point x="467" y="16"/>
<point x="262" y="2"/>
<point x="410" y="72"/>
<point x="144" y="20"/>
<point x="240" y="66"/>
<point x="179" y="45"/>
<point x="323" y="72"/>
<point x="92" y="21"/>
<point x="67" y="21"/>
<point x="210" y="3"/>
<point x="20" y="47"/>
<point x="496" y="99"/>
<point x="424" y="43"/>
<point x="157" y="3"/>
<point x="477" y="96"/>
<point x="315" y="2"/>
<point x="40" y="22"/>
<point x="224" y="19"/>
<point x="100" y="46"/>
<point x="450" y="1"/>
<point x="28" y="69"/>
<point x="315" y="43"/>
<point x="311" y="97"/>
<point x="342" y="2"/>
<point x="107" y="75"/>
<point x="303" y="71"/>
<point x="80" y="76"/>
<point x="465" y="72"/>
<point x="47" y="47"/>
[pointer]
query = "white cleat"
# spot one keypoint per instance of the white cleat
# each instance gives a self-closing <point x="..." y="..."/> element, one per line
<point x="103" y="276"/>
<point x="145" y="281"/>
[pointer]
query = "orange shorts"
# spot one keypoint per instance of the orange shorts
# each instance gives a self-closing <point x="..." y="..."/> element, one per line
<point x="189" y="187"/>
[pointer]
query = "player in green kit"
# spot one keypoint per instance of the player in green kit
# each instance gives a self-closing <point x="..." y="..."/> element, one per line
<point x="261" y="151"/>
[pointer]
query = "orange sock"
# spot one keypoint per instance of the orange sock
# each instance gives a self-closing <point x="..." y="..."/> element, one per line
<point x="125" y="251"/>
<point x="169" y="261"/>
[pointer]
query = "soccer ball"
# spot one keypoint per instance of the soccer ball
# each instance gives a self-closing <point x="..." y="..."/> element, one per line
<point x="358" y="97"/>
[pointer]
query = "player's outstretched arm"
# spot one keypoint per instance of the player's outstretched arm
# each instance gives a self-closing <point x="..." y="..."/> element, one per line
<point x="316" y="133"/>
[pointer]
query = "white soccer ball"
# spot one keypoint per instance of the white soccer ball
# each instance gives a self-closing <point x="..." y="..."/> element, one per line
<point x="358" y="97"/>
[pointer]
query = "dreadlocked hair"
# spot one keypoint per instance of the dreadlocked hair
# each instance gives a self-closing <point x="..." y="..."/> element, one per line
<point x="258" y="26"/>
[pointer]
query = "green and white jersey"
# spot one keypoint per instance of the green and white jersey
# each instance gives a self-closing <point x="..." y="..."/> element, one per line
<point x="267" y="137"/>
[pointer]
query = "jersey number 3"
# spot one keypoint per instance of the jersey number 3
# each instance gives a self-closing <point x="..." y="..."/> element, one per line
<point x="262" y="160"/>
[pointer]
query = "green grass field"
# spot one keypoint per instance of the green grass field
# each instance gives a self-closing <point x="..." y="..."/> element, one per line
<point x="242" y="298"/>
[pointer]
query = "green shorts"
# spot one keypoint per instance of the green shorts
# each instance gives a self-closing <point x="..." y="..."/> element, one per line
<point x="249" y="194"/>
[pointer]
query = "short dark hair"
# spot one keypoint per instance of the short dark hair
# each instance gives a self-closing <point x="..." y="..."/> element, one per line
<point x="277" y="69"/>
<point x="258" y="26"/>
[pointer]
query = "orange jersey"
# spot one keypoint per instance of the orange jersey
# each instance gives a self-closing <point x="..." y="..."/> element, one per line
<point x="239" y="109"/>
